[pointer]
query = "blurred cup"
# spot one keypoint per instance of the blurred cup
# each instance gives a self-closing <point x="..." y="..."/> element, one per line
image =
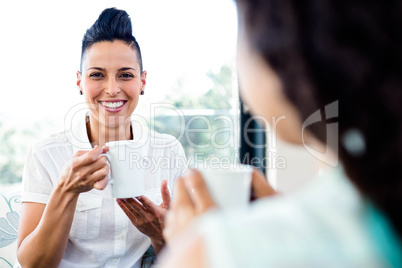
<point x="229" y="186"/>
<point x="127" y="174"/>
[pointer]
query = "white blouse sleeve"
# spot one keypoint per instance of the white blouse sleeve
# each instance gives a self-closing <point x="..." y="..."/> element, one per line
<point x="36" y="182"/>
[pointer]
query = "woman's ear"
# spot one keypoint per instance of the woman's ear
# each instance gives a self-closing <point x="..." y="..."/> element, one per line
<point x="79" y="82"/>
<point x="143" y="80"/>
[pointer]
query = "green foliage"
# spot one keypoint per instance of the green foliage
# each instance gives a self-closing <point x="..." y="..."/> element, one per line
<point x="10" y="167"/>
<point x="14" y="144"/>
<point x="208" y="129"/>
<point x="202" y="136"/>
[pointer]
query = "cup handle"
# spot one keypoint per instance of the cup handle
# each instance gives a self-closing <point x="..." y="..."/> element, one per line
<point x="110" y="167"/>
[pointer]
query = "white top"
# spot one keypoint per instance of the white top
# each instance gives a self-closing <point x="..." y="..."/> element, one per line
<point x="324" y="225"/>
<point x="101" y="234"/>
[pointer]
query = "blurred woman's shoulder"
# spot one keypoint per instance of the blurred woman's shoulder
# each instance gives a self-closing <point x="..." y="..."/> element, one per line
<point x="326" y="223"/>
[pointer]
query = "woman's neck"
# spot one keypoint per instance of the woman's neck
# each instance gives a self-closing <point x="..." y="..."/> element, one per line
<point x="99" y="134"/>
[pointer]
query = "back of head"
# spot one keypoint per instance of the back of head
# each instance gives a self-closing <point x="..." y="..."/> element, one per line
<point x="345" y="51"/>
<point x="112" y="24"/>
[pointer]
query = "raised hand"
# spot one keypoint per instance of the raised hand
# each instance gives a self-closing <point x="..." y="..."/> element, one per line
<point x="85" y="171"/>
<point x="191" y="199"/>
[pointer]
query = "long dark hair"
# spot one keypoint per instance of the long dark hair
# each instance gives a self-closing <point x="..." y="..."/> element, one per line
<point x="346" y="51"/>
<point x="112" y="24"/>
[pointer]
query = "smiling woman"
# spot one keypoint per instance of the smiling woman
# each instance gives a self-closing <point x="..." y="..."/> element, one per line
<point x="68" y="184"/>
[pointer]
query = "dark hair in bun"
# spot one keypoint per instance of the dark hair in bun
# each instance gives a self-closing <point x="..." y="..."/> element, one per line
<point x="112" y="24"/>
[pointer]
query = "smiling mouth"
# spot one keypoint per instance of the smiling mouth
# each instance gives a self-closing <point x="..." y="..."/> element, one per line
<point x="112" y="104"/>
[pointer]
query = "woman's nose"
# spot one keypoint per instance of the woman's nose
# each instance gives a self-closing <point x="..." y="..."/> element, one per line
<point x="112" y="87"/>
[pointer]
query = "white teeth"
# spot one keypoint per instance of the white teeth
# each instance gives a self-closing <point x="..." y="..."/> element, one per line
<point x="110" y="104"/>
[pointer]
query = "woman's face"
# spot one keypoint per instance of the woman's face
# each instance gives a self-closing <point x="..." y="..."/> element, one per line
<point x="261" y="90"/>
<point x="111" y="82"/>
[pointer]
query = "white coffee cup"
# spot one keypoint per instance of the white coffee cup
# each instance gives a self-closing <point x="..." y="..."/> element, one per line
<point x="229" y="186"/>
<point x="127" y="175"/>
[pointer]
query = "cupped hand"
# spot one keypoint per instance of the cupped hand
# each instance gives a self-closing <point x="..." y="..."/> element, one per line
<point x="191" y="199"/>
<point x="147" y="217"/>
<point x="85" y="171"/>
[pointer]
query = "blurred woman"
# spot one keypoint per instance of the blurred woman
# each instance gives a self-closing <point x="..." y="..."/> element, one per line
<point x="294" y="58"/>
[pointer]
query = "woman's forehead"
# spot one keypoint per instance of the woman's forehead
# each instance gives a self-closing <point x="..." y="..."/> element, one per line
<point x="110" y="54"/>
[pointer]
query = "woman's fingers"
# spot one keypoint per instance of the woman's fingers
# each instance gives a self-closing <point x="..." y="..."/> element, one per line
<point x="181" y="212"/>
<point x="198" y="190"/>
<point x="132" y="216"/>
<point x="87" y="170"/>
<point x="165" y="195"/>
<point x="260" y="185"/>
<point x="97" y="170"/>
<point x="101" y="184"/>
<point x="146" y="217"/>
<point x="80" y="153"/>
<point x="99" y="163"/>
<point x="105" y="149"/>
<point x="87" y="157"/>
<point x="150" y="206"/>
<point x="132" y="209"/>
<point x="102" y="173"/>
<point x="171" y="226"/>
<point x="182" y="197"/>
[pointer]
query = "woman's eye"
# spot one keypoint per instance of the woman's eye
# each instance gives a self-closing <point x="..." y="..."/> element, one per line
<point x="96" y="75"/>
<point x="126" y="75"/>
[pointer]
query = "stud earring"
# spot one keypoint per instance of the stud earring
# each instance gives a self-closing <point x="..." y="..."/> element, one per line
<point x="354" y="142"/>
<point x="142" y="92"/>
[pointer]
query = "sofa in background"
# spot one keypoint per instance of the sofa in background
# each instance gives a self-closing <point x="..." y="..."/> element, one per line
<point x="10" y="209"/>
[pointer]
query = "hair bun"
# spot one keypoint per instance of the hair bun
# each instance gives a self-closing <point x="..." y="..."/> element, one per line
<point x="112" y="24"/>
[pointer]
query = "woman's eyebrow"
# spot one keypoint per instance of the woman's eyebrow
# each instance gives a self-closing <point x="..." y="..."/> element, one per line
<point x="96" y="68"/>
<point x="103" y="69"/>
<point x="126" y="68"/>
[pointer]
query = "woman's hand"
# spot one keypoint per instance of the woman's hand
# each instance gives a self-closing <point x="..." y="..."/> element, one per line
<point x="86" y="170"/>
<point x="50" y="224"/>
<point x="261" y="187"/>
<point x="192" y="199"/>
<point x="148" y="217"/>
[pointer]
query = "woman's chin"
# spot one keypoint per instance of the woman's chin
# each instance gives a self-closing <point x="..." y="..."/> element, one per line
<point x="114" y="121"/>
